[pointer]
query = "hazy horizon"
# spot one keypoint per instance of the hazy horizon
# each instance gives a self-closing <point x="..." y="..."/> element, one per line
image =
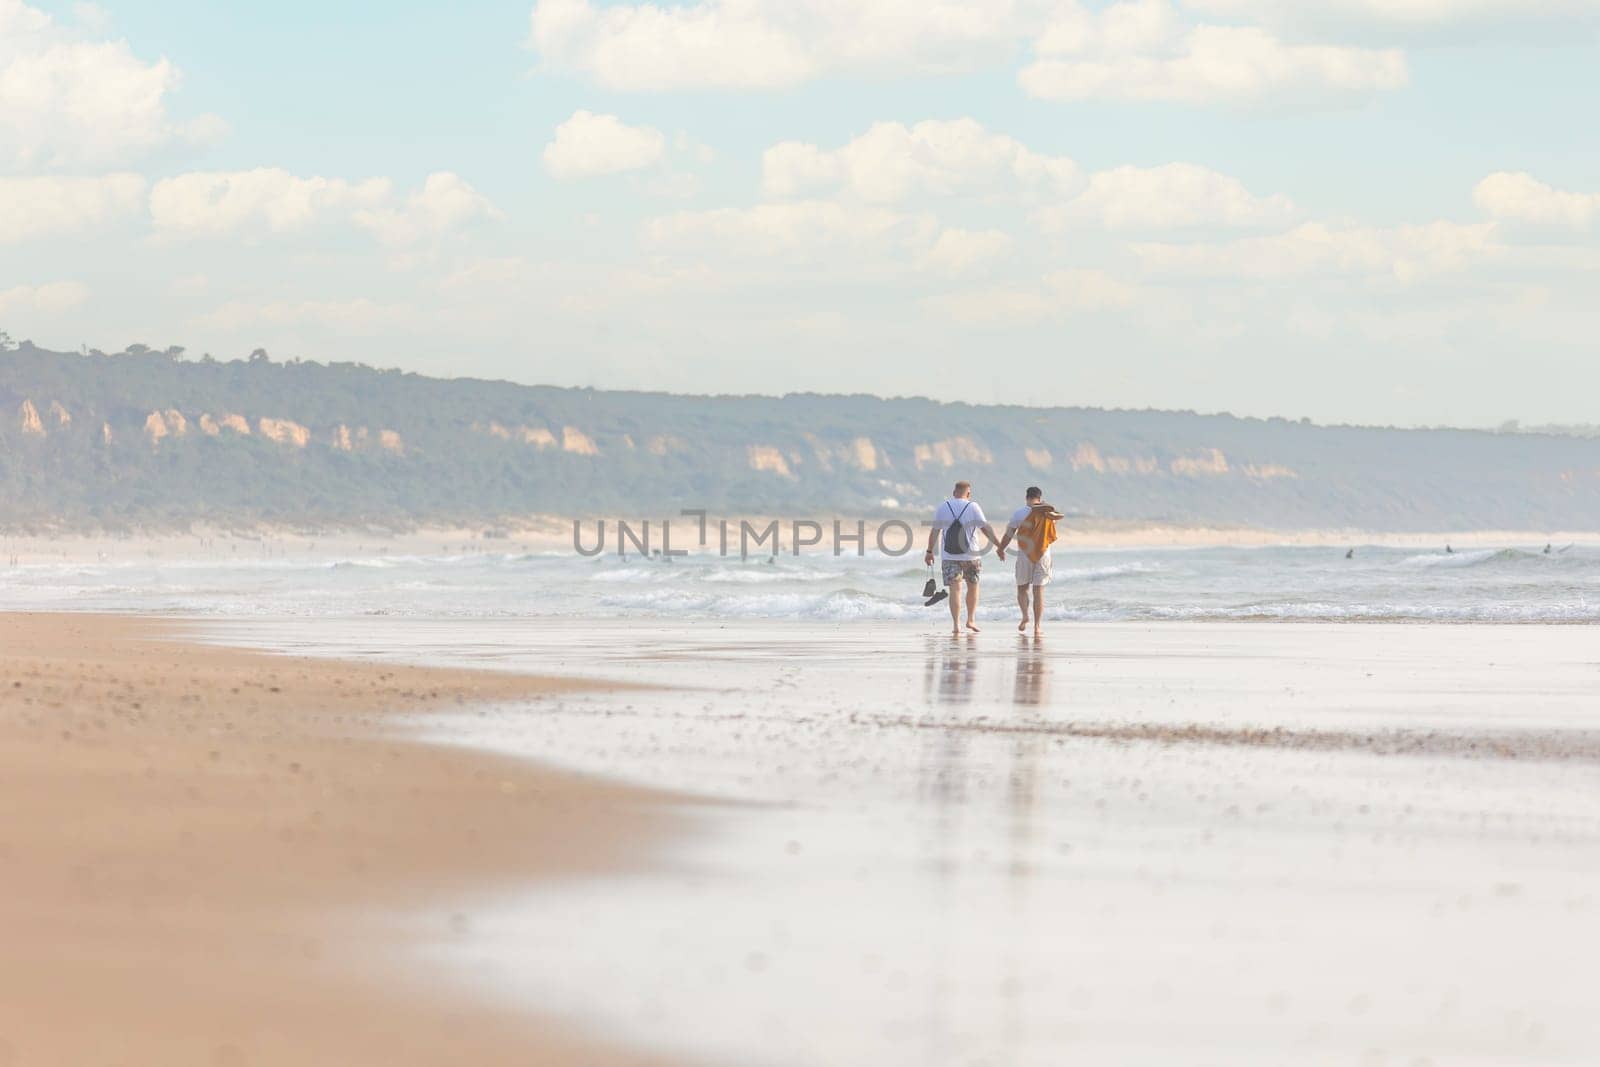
<point x="1358" y="214"/>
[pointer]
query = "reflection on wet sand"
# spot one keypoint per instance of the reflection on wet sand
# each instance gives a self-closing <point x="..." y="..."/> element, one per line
<point x="1030" y="689"/>
<point x="950" y="670"/>
<point x="951" y="676"/>
<point x="1033" y="674"/>
<point x="1033" y="858"/>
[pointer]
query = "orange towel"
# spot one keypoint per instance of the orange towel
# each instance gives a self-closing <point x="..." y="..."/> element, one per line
<point x="1038" y="531"/>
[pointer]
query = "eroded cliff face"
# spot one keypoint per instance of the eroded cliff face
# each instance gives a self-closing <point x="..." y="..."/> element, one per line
<point x="1088" y="458"/>
<point x="780" y="459"/>
<point x="283" y="431"/>
<point x="1209" y="463"/>
<point x="83" y="437"/>
<point x="819" y="455"/>
<point x="950" y="452"/>
<point x="538" y="437"/>
<point x="856" y="454"/>
<point x="160" y="425"/>
<point x="577" y="442"/>
<point x="767" y="458"/>
<point x="28" y="416"/>
<point x="172" y="424"/>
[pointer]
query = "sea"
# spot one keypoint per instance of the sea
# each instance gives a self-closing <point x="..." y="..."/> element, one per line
<point x="1377" y="583"/>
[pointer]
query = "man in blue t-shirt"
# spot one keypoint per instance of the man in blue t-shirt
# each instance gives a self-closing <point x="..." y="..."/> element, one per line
<point x="955" y="524"/>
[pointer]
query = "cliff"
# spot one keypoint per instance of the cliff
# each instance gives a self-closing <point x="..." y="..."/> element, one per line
<point x="138" y="438"/>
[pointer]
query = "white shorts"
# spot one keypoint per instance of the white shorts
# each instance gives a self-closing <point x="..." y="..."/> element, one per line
<point x="1031" y="573"/>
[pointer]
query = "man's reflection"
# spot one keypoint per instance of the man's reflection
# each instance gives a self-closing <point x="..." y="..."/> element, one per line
<point x="951" y="670"/>
<point x="1033" y="674"/>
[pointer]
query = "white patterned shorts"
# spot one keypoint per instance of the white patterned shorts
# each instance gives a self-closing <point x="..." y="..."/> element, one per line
<point x="1031" y="573"/>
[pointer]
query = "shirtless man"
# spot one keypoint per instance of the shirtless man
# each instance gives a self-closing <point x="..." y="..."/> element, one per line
<point x="954" y="523"/>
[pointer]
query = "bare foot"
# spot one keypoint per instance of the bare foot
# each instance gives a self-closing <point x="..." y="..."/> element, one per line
<point x="972" y="626"/>
<point x="1022" y="627"/>
<point x="1038" y="631"/>
<point x="956" y="632"/>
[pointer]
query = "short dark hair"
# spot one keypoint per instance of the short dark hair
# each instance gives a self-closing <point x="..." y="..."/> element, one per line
<point x="962" y="487"/>
<point x="1034" y="493"/>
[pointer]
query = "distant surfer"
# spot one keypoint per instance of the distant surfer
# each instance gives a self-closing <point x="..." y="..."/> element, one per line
<point x="1449" y="551"/>
<point x="1547" y="550"/>
<point x="955" y="522"/>
<point x="1034" y="527"/>
<point x="1350" y="554"/>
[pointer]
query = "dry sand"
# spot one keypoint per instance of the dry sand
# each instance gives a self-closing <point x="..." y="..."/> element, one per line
<point x="218" y="857"/>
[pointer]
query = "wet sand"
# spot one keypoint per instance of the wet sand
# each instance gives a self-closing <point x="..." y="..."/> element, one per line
<point x="221" y="857"/>
<point x="1161" y="845"/>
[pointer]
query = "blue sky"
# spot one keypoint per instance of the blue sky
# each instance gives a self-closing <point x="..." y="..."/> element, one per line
<point x="1342" y="209"/>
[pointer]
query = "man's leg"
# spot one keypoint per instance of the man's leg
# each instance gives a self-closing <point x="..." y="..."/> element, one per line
<point x="954" y="586"/>
<point x="972" y="605"/>
<point x="1022" y="602"/>
<point x="1038" y="610"/>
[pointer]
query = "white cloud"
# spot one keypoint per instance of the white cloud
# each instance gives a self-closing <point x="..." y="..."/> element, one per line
<point x="1143" y="50"/>
<point x="892" y="161"/>
<point x="215" y="203"/>
<point x="588" y="144"/>
<point x="1318" y="249"/>
<point x="963" y="252"/>
<point x="1368" y="16"/>
<point x="791" y="228"/>
<point x="50" y="299"/>
<point x="1058" y="295"/>
<point x="222" y="202"/>
<point x="1171" y="196"/>
<point x="66" y="100"/>
<point x="44" y="206"/>
<point x="1521" y="197"/>
<point x="763" y="44"/>
<point x="444" y="203"/>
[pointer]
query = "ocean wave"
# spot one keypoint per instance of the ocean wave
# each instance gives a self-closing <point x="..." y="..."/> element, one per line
<point x="1116" y="570"/>
<point x="1478" y="558"/>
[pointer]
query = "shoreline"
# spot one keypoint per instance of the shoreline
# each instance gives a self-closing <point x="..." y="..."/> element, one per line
<point x="228" y="856"/>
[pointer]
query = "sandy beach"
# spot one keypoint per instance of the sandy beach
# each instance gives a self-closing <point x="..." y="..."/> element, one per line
<point x="216" y="857"/>
<point x="1127" y="844"/>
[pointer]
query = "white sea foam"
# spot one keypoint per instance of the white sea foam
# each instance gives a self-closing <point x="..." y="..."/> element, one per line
<point x="1277" y="584"/>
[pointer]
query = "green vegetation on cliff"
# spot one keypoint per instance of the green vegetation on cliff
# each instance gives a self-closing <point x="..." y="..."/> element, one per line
<point x="144" y="438"/>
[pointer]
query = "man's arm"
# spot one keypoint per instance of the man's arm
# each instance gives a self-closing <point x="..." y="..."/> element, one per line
<point x="1011" y="531"/>
<point x="1000" y="548"/>
<point x="933" y="539"/>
